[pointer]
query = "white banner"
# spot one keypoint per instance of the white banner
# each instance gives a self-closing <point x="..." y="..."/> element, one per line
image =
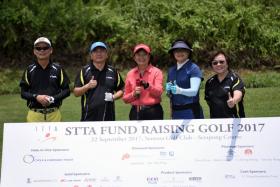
<point x="168" y="153"/>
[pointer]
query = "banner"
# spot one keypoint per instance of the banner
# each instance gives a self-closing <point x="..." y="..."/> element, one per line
<point x="163" y="153"/>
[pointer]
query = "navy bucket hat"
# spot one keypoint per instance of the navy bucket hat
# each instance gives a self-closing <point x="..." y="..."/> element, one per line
<point x="180" y="45"/>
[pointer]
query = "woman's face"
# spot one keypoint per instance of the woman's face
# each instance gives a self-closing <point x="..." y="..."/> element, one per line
<point x="219" y="64"/>
<point x="142" y="58"/>
<point x="181" y="55"/>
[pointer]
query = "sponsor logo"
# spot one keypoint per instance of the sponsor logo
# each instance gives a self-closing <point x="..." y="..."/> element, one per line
<point x="28" y="159"/>
<point x="152" y="180"/>
<point x="46" y="133"/>
<point x="195" y="179"/>
<point x="248" y="152"/>
<point x="48" y="137"/>
<point x="125" y="156"/>
<point x="69" y="180"/>
<point x="89" y="179"/>
<point x="104" y="179"/>
<point x="28" y="180"/>
<point x="229" y="176"/>
<point x="174" y="180"/>
<point x="117" y="179"/>
<point x="167" y="153"/>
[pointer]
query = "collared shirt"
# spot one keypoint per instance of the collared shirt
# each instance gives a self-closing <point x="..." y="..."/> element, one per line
<point x="51" y="81"/>
<point x="182" y="77"/>
<point x="149" y="96"/>
<point x="93" y="103"/>
<point x="216" y="95"/>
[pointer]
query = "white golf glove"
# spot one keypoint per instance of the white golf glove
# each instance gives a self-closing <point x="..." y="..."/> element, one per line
<point x="51" y="100"/>
<point x="109" y="97"/>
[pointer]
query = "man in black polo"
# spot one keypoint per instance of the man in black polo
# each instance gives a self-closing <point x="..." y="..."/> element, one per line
<point x="99" y="84"/>
<point x="44" y="85"/>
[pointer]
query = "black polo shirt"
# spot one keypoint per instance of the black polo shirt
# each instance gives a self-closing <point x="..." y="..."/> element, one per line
<point x="216" y="96"/>
<point x="94" y="107"/>
<point x="51" y="81"/>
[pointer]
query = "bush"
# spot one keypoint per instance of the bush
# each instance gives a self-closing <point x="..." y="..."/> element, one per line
<point x="247" y="30"/>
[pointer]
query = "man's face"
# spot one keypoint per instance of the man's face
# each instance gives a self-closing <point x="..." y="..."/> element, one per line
<point x="99" y="55"/>
<point x="42" y="51"/>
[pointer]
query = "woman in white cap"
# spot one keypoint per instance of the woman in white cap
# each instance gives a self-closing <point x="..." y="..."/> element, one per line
<point x="183" y="83"/>
<point x="143" y="87"/>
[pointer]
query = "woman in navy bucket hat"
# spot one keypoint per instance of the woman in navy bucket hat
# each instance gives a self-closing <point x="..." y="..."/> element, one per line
<point x="183" y="83"/>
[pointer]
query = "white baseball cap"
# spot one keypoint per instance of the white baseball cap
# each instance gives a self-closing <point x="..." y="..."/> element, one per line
<point x="44" y="40"/>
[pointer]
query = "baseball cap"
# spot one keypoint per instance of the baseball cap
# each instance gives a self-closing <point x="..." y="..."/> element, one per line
<point x="97" y="44"/>
<point x="142" y="46"/>
<point x="44" y="40"/>
<point x="179" y="45"/>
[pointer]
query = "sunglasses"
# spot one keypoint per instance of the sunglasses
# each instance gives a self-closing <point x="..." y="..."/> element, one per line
<point x="218" y="62"/>
<point x="42" y="48"/>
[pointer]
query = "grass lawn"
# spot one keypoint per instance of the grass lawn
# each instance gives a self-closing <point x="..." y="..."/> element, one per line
<point x="259" y="102"/>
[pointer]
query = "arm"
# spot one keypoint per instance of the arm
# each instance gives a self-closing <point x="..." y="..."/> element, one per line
<point x="80" y="89"/>
<point x="189" y="92"/>
<point x="232" y="101"/>
<point x="128" y="92"/>
<point x="64" y="86"/>
<point x="118" y="95"/>
<point x="156" y="88"/>
<point x="237" y="94"/>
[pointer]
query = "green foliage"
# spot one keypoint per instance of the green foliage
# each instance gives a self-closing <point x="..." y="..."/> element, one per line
<point x="249" y="31"/>
<point x="262" y="79"/>
<point x="9" y="81"/>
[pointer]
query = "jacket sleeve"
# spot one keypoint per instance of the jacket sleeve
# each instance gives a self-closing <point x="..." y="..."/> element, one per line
<point x="24" y="85"/>
<point x="64" y="86"/>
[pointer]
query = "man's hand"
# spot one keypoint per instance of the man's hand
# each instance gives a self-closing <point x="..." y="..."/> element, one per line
<point x="109" y="97"/>
<point x="43" y="100"/>
<point x="92" y="83"/>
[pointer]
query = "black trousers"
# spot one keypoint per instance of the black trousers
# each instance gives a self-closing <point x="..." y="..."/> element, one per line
<point x="152" y="112"/>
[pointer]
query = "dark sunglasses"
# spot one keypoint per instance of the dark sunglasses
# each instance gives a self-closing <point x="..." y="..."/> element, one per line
<point x="42" y="48"/>
<point x="217" y="62"/>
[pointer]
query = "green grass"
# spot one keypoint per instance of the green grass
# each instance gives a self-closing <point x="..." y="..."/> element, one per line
<point x="259" y="102"/>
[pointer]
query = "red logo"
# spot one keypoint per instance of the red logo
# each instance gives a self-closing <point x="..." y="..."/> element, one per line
<point x="125" y="156"/>
<point x="248" y="152"/>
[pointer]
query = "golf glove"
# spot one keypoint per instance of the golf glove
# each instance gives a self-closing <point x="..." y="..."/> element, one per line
<point x="109" y="97"/>
<point x="175" y="89"/>
<point x="168" y="86"/>
<point x="51" y="100"/>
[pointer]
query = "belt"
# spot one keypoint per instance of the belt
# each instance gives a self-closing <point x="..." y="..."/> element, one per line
<point x="44" y="110"/>
<point x="185" y="107"/>
<point x="145" y="107"/>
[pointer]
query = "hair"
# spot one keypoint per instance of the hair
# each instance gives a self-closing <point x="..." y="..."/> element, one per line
<point x="185" y="41"/>
<point x="216" y="53"/>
